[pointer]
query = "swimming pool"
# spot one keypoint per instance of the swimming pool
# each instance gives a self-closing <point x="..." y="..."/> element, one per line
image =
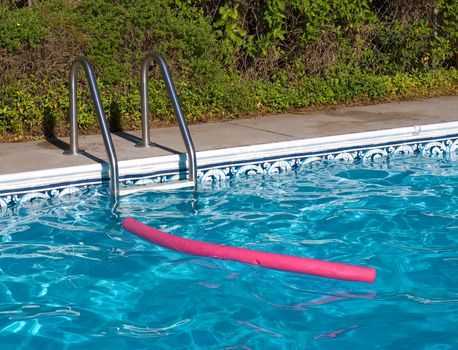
<point x="72" y="277"/>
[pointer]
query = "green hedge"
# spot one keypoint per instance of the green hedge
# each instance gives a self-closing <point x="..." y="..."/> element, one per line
<point x="228" y="58"/>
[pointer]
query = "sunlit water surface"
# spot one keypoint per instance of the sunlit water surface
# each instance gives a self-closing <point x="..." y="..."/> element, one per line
<point x="71" y="277"/>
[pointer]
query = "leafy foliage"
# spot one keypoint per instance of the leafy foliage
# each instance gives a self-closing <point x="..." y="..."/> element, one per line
<point x="21" y="26"/>
<point x="227" y="57"/>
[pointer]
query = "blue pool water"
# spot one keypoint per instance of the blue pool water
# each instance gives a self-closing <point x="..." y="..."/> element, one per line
<point x="72" y="278"/>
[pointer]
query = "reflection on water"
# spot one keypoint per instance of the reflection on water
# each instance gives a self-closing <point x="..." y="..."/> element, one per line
<point x="70" y="276"/>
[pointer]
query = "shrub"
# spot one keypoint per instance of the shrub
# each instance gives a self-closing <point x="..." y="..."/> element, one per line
<point x="227" y="57"/>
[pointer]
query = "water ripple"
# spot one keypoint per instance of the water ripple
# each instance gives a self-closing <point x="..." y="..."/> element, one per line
<point x="70" y="276"/>
<point x="422" y="300"/>
<point x="147" y="332"/>
<point x="32" y="311"/>
<point x="30" y="251"/>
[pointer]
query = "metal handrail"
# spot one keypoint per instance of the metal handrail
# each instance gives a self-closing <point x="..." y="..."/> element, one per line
<point x="112" y="159"/>
<point x="185" y="134"/>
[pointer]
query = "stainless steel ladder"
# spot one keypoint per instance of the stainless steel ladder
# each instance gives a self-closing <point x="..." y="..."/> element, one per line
<point x="115" y="189"/>
<point x="185" y="134"/>
<point x="107" y="141"/>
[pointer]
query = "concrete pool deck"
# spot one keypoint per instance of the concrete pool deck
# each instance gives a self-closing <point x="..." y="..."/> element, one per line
<point x="48" y="154"/>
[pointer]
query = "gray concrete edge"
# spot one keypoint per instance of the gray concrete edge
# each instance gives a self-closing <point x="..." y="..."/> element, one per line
<point x="138" y="168"/>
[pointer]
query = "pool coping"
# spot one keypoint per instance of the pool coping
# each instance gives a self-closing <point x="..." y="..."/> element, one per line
<point x="234" y="162"/>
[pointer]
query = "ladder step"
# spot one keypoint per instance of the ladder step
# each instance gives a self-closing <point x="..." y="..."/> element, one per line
<point x="156" y="187"/>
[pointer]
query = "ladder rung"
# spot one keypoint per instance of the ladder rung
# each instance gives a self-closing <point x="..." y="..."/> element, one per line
<point x="156" y="187"/>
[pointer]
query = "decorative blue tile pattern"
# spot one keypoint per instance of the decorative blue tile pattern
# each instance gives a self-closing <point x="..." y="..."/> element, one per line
<point x="30" y="197"/>
<point x="444" y="148"/>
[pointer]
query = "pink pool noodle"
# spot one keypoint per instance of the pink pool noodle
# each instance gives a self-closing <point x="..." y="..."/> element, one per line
<point x="254" y="257"/>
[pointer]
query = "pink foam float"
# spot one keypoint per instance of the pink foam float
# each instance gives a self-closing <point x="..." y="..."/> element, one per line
<point x="265" y="259"/>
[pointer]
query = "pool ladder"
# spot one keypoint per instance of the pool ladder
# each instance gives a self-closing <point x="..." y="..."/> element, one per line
<point x="115" y="189"/>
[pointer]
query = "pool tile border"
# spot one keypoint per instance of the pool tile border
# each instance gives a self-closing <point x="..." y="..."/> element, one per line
<point x="437" y="140"/>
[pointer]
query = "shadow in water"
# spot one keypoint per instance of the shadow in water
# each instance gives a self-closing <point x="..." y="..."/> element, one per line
<point x="182" y="166"/>
<point x="105" y="171"/>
